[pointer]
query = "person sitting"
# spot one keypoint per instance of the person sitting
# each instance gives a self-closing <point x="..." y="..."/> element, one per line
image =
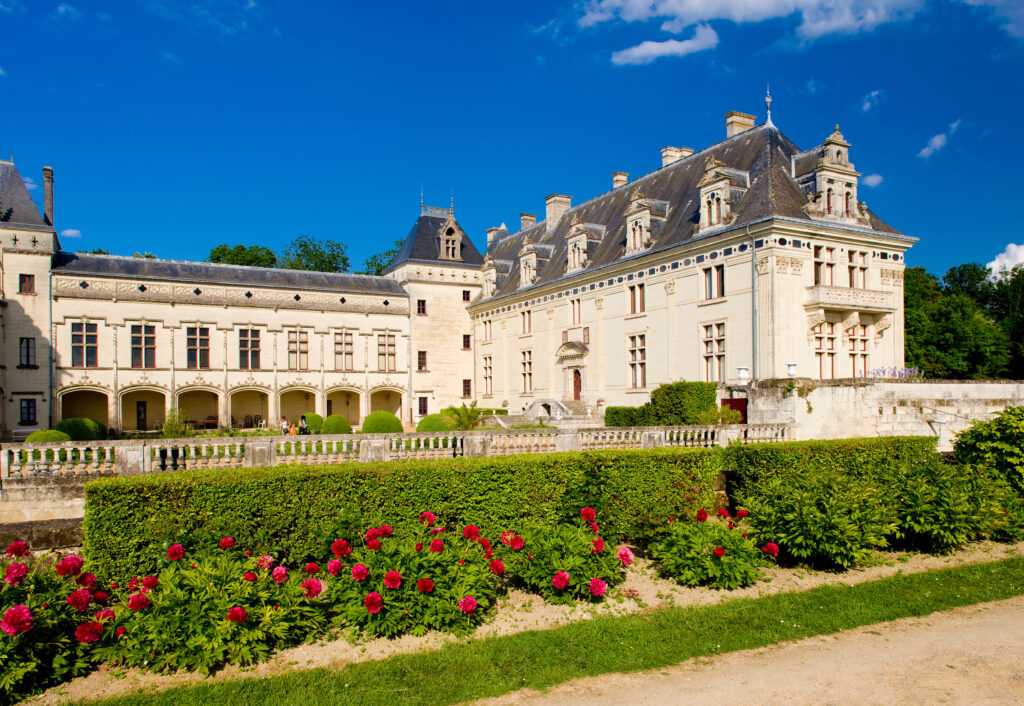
<point x="303" y="427"/>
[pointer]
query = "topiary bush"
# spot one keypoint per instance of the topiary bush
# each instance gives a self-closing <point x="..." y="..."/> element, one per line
<point x="626" y="416"/>
<point x="315" y="422"/>
<point x="44" y="436"/>
<point x="434" y="422"/>
<point x="336" y="424"/>
<point x="681" y="403"/>
<point x="82" y="429"/>
<point x="997" y="443"/>
<point x="381" y="422"/>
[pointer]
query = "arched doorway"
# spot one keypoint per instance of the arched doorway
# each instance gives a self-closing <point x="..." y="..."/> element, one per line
<point x="388" y="400"/>
<point x="143" y="409"/>
<point x="295" y="403"/>
<point x="577" y="384"/>
<point x="248" y="408"/>
<point x="89" y="404"/>
<point x="347" y="403"/>
<point x="199" y="408"/>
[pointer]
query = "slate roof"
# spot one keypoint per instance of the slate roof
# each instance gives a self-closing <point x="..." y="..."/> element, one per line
<point x="423" y="243"/>
<point x="211" y="273"/>
<point x="16" y="205"/>
<point x="762" y="151"/>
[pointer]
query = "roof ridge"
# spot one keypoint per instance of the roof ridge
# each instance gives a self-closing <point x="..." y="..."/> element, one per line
<point x="223" y="265"/>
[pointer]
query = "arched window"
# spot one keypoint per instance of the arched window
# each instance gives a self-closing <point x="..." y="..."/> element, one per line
<point x="718" y="210"/>
<point x="849" y="204"/>
<point x="710" y="222"/>
<point x="828" y="201"/>
<point x="450" y="244"/>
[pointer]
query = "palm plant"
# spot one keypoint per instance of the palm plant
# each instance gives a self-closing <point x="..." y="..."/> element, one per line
<point x="464" y="418"/>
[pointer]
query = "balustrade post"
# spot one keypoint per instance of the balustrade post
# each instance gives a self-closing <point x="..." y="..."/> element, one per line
<point x="725" y="436"/>
<point x="652" y="439"/>
<point x="477" y="445"/>
<point x="133" y="459"/>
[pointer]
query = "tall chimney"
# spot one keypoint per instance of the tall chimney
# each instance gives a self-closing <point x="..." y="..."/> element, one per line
<point x="48" y="195"/>
<point x="674" y="154"/>
<point x="557" y="204"/>
<point x="619" y="179"/>
<point x="736" y="122"/>
<point x="491" y="234"/>
<point x="526" y="220"/>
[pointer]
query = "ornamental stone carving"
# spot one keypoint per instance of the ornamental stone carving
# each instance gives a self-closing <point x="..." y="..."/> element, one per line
<point x="763" y="265"/>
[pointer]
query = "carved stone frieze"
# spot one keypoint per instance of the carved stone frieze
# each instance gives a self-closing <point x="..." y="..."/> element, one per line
<point x="763" y="265"/>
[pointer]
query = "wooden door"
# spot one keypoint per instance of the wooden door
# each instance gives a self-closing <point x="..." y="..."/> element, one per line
<point x="577" y="384"/>
<point x="140" y="415"/>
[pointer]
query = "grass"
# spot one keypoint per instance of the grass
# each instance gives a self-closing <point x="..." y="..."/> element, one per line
<point x="539" y="659"/>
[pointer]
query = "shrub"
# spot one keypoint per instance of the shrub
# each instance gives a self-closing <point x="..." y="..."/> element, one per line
<point x="297" y="508"/>
<point x="464" y="418"/>
<point x="688" y="554"/>
<point x="489" y="411"/>
<point x="381" y="422"/>
<point x="315" y="422"/>
<point x="434" y="422"/>
<point x="82" y="429"/>
<point x="336" y="424"/>
<point x="175" y="426"/>
<point x="997" y="443"/>
<point x="47" y="436"/>
<point x="626" y="416"/>
<point x="680" y="403"/>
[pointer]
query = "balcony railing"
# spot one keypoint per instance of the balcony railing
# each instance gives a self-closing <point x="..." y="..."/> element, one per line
<point x="827" y="297"/>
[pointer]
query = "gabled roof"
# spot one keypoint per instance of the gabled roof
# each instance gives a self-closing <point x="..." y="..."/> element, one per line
<point x="16" y="205"/>
<point x="423" y="244"/>
<point x="762" y="152"/>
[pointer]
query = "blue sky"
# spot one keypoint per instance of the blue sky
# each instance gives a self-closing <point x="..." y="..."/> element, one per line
<point x="175" y="125"/>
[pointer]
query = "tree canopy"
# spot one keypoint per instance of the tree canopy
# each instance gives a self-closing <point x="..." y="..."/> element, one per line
<point x="376" y="264"/>
<point x="309" y="253"/>
<point x="248" y="255"/>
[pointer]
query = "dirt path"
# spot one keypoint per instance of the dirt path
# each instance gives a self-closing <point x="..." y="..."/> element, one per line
<point x="966" y="655"/>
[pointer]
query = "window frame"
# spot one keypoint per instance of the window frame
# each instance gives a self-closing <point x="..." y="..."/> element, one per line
<point x="247" y="352"/>
<point x="88" y="343"/>
<point x="27" y="352"/>
<point x="143" y="346"/>
<point x="298" y="350"/>
<point x="387" y="352"/>
<point x="713" y="351"/>
<point x="636" y="362"/>
<point x="197" y="347"/>
<point x="26" y="284"/>
<point x="27" y="411"/>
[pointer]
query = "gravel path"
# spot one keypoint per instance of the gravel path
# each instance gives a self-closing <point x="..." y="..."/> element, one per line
<point x="967" y="655"/>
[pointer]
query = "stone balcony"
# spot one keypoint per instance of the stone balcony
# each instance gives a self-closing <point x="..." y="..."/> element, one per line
<point x="848" y="298"/>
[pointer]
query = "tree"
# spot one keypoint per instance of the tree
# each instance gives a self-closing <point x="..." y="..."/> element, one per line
<point x="972" y="279"/>
<point x="376" y="264"/>
<point x="247" y="255"/>
<point x="1008" y="309"/>
<point x="96" y="251"/>
<point x="145" y="255"/>
<point x="464" y="418"/>
<point x="309" y="253"/>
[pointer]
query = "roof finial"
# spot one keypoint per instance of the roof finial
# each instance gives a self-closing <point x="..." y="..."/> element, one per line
<point x="422" y="207"/>
<point x="768" y="103"/>
<point x="451" y="211"/>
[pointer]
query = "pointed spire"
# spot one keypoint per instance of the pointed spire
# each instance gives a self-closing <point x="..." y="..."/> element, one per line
<point x="451" y="210"/>
<point x="768" y="103"/>
<point x="422" y="207"/>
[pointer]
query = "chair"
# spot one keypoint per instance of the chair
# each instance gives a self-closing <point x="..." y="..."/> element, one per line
<point x="259" y="421"/>
<point x="248" y="421"/>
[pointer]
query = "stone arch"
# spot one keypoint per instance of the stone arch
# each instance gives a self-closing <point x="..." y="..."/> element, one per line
<point x="142" y="407"/>
<point x="347" y="401"/>
<point x="88" y="401"/>
<point x="248" y="405"/>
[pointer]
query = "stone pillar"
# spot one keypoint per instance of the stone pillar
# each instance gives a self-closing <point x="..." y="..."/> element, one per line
<point x="652" y="439"/>
<point x="223" y="411"/>
<point x="476" y="445"/>
<point x="371" y="450"/>
<point x="274" y="409"/>
<point x="132" y="459"/>
<point x="726" y="435"/>
<point x="262" y="452"/>
<point x="567" y="441"/>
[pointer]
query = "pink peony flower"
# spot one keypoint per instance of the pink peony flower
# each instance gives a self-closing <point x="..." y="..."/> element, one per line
<point x="15" y="573"/>
<point x="392" y="579"/>
<point x="105" y="615"/>
<point x="471" y="532"/>
<point x="17" y="619"/>
<point x="372" y="533"/>
<point x="120" y="631"/>
<point x="227" y="542"/>
<point x="279" y="574"/>
<point x="702" y="515"/>
<point x="598" y="546"/>
<point x="312" y="568"/>
<point x="626" y="556"/>
<point x="498" y="567"/>
<point x="419" y="546"/>
<point x="588" y="514"/>
<point x="771" y="548"/>
<point x="133" y="584"/>
<point x="506" y="537"/>
<point x="467" y="605"/>
<point x="237" y="614"/>
<point x="89" y="632"/>
<point x="138" y="601"/>
<point x="334" y="566"/>
<point x="485" y="543"/>
<point x="373" y="603"/>
<point x="428" y="518"/>
<point x="517" y="543"/>
<point x="69" y="565"/>
<point x="149" y="583"/>
<point x="437" y="546"/>
<point x="340" y="548"/>
<point x="560" y="580"/>
<point x="436" y="530"/>
<point x="265" y="562"/>
<point x="249" y="576"/>
<point x="17" y="548"/>
<point x="360" y="572"/>
<point x="719" y="552"/>
<point x="80" y="599"/>
<point x="597" y="587"/>
<point x="312" y="587"/>
<point x="175" y="552"/>
<point x="425" y="585"/>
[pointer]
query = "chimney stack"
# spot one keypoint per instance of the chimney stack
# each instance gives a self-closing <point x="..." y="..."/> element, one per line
<point x="736" y="122"/>
<point x="674" y="154"/>
<point x="619" y="179"/>
<point x="491" y="235"/>
<point x="526" y="220"/>
<point x="48" y="195"/>
<point x="557" y="204"/>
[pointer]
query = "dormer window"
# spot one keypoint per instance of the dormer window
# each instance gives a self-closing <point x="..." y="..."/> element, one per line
<point x="636" y="235"/>
<point x="849" y="205"/>
<point x="720" y="189"/>
<point x="527" y="270"/>
<point x="832" y="186"/>
<point x="451" y="245"/>
<point x="828" y="202"/>
<point x="640" y="215"/>
<point x="575" y="256"/>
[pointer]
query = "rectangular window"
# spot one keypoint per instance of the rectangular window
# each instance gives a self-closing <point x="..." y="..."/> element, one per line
<point x="143" y="346"/>
<point x="298" y="350"/>
<point x="586" y="334"/>
<point x="386" y="352"/>
<point x="27" y="285"/>
<point x="488" y="375"/>
<point x="714" y="282"/>
<point x="27" y="352"/>
<point x="467" y="388"/>
<point x="28" y="411"/>
<point x="575" y="307"/>
<point x="637" y="305"/>
<point x="344" y="351"/>
<point x="197" y="347"/>
<point x="465" y="295"/>
<point x="526" y="319"/>
<point x="421" y="307"/>
<point x="526" y="364"/>
<point x="423" y="406"/>
<point x="248" y="349"/>
<point x="487" y="330"/>
<point x="83" y="345"/>
<point x="466" y="341"/>
<point x="714" y="352"/>
<point x="638" y="361"/>
<point x="720" y="280"/>
<point x="421" y="361"/>
<point x="857" y="342"/>
<point x="858" y="269"/>
<point x="824" y="265"/>
<point x="825" y="350"/>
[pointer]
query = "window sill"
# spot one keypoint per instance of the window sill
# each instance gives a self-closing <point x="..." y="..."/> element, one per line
<point x="422" y="370"/>
<point x="709" y="302"/>
<point x="637" y="315"/>
<point x="28" y="367"/>
<point x="637" y="390"/>
<point x="27" y="424"/>
<point x="29" y="294"/>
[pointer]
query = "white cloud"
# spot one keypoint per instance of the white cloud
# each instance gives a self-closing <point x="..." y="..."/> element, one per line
<point x="1009" y="12"/>
<point x="30" y="183"/>
<point x="2" y="72"/>
<point x="71" y="233"/>
<point x="65" y="11"/>
<point x="872" y="180"/>
<point x="644" y="53"/>
<point x="228" y="17"/>
<point x="1012" y="255"/>
<point x="812" y="87"/>
<point x="870" y="101"/>
<point x="937" y="142"/>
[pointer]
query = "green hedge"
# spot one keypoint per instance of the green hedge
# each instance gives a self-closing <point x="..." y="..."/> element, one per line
<point x="336" y="424"/>
<point x="315" y="422"/>
<point x="44" y="436"/>
<point x="434" y="422"/>
<point x="674" y="404"/>
<point x="298" y="509"/>
<point x="382" y="422"/>
<point x="626" y="416"/>
<point x="82" y="429"/>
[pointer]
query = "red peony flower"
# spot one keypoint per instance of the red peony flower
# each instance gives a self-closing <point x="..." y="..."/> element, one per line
<point x="488" y="554"/>
<point x="89" y="632"/>
<point x="334" y="567"/>
<point x="372" y="533"/>
<point x="594" y="528"/>
<point x="732" y="526"/>
<point x="237" y="614"/>
<point x="312" y="568"/>
<point x="248" y="552"/>
<point x="467" y="605"/>
<point x="588" y="514"/>
<point x="741" y="513"/>
<point x="120" y="631"/>
<point x="436" y="530"/>
<point x="227" y="542"/>
<point x="392" y="579"/>
<point x="702" y="515"/>
<point x="265" y="562"/>
<point x="560" y="580"/>
<point x="428" y="518"/>
<point x="138" y="601"/>
<point x="517" y="543"/>
<point x="175" y="552"/>
<point x="249" y="576"/>
<point x="719" y="552"/>
<point x="485" y="543"/>
<point x="471" y="532"/>
<point x="15" y="573"/>
<point x="671" y="519"/>
<point x="360" y="572"/>
<point x="88" y="580"/>
<point x="425" y="585"/>
<point x="279" y="574"/>
<point x="100" y="597"/>
<point x="771" y="548"/>
<point x="462" y="561"/>
<point x="506" y="537"/>
<point x="69" y="565"/>
<point x="17" y="548"/>
<point x="598" y="546"/>
<point x="373" y="544"/>
<point x="104" y="615"/>
<point x="625" y="556"/>
<point x="437" y="546"/>
<point x="419" y="546"/>
<point x="17" y="619"/>
<point x="80" y="599"/>
<point x="133" y="584"/>
<point x="373" y="603"/>
<point x="723" y="513"/>
<point x="149" y="583"/>
<point x="115" y="584"/>
<point x="385" y="530"/>
<point x="744" y="535"/>
<point x="312" y="587"/>
<point x="340" y="548"/>
<point x="597" y="587"/>
<point x="498" y="567"/>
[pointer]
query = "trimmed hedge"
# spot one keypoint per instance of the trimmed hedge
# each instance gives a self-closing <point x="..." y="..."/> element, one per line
<point x="434" y="422"/>
<point x="45" y="436"/>
<point x="315" y="422"/>
<point x="82" y="429"/>
<point x="300" y="510"/>
<point x="382" y="422"/>
<point x="674" y="404"/>
<point x="336" y="424"/>
<point x="626" y="416"/>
